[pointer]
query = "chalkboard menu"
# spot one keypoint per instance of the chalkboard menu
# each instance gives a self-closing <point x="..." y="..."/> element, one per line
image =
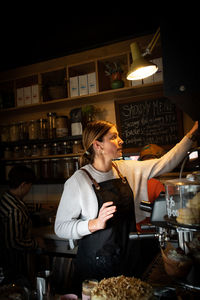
<point x="155" y="120"/>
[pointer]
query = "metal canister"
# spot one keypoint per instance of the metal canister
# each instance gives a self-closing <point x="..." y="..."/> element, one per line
<point x="61" y="126"/>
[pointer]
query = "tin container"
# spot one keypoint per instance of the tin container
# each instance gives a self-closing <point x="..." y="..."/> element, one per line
<point x="61" y="126"/>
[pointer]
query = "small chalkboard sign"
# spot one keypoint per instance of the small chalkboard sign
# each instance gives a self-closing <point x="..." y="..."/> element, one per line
<point x="154" y="120"/>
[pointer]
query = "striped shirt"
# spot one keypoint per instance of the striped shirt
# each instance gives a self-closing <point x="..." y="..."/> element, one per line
<point x="15" y="224"/>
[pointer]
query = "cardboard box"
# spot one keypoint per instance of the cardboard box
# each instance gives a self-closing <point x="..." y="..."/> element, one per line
<point x="35" y="94"/>
<point x="27" y="95"/>
<point x="92" y="86"/>
<point x="158" y="76"/>
<point x="136" y="82"/>
<point x="73" y="84"/>
<point x="149" y="79"/>
<point x="83" y="85"/>
<point x="20" y="97"/>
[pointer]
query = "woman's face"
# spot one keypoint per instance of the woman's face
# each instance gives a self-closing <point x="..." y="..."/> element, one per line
<point x="112" y="144"/>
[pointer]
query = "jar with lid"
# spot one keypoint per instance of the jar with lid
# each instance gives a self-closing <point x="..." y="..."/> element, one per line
<point x="43" y="129"/>
<point x="55" y="149"/>
<point x="17" y="152"/>
<point x="5" y="133"/>
<point x="77" y="147"/>
<point x="45" y="150"/>
<point x="55" y="168"/>
<point x="7" y="153"/>
<point x="33" y="130"/>
<point x="14" y="132"/>
<point x="35" y="150"/>
<point x="65" y="148"/>
<point x="68" y="167"/>
<point x="23" y="131"/>
<point x="61" y="126"/>
<point x="36" y="167"/>
<point x="45" y="168"/>
<point x="51" y="125"/>
<point x="26" y="151"/>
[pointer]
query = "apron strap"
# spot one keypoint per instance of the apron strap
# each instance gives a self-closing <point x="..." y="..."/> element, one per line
<point x="97" y="186"/>
<point x="119" y="173"/>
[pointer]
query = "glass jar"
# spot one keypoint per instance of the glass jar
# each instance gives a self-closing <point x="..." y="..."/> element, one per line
<point x="36" y="167"/>
<point x="35" y="150"/>
<point x="55" y="149"/>
<point x="26" y="151"/>
<point x="45" y="168"/>
<point x="65" y="148"/>
<point x="182" y="200"/>
<point x="61" y="126"/>
<point x="7" y="153"/>
<point x="5" y="133"/>
<point x="68" y="167"/>
<point x="23" y="131"/>
<point x="14" y="132"/>
<point x="33" y="130"/>
<point x="51" y="125"/>
<point x="43" y="129"/>
<point x="17" y="152"/>
<point x="55" y="168"/>
<point x="45" y="150"/>
<point x="77" y="147"/>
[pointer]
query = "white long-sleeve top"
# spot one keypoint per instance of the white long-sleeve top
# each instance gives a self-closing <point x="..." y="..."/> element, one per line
<point x="79" y="204"/>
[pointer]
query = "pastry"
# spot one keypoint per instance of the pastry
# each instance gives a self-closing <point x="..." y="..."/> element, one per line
<point x="122" y="288"/>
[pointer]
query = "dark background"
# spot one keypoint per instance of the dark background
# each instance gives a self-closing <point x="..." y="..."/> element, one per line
<point x="40" y="31"/>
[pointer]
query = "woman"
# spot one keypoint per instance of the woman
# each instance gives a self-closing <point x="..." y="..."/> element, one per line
<point x="97" y="204"/>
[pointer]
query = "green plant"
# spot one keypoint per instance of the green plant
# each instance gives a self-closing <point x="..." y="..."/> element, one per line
<point x="113" y="67"/>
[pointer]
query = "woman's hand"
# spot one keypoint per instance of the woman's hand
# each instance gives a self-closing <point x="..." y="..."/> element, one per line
<point x="192" y="134"/>
<point x="105" y="213"/>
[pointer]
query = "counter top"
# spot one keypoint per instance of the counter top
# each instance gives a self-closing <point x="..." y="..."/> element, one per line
<point x="53" y="245"/>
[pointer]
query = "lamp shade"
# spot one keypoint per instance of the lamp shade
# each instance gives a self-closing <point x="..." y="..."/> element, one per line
<point x="140" y="68"/>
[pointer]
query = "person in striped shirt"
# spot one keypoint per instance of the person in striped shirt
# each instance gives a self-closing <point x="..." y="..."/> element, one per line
<point x="15" y="224"/>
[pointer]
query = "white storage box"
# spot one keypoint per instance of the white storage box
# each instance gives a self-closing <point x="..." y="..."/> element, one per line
<point x="27" y="95"/>
<point x="92" y="86"/>
<point x="73" y="83"/>
<point x="83" y="85"/>
<point x="20" y="97"/>
<point x="35" y="94"/>
<point x="158" y="76"/>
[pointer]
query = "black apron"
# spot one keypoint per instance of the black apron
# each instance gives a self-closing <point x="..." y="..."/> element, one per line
<point x="109" y="252"/>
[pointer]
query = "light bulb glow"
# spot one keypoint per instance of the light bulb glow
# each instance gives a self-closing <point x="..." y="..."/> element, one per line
<point x="142" y="72"/>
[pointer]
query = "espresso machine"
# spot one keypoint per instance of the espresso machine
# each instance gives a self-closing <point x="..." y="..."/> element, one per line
<point x="175" y="214"/>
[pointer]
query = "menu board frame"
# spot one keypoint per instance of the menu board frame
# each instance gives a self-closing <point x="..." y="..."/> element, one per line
<point x="135" y="111"/>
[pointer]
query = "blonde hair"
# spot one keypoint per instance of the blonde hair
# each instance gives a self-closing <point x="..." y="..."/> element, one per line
<point x="92" y="132"/>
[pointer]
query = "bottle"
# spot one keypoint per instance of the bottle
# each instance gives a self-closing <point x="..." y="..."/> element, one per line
<point x="51" y="125"/>
<point x="33" y="130"/>
<point x="43" y="129"/>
